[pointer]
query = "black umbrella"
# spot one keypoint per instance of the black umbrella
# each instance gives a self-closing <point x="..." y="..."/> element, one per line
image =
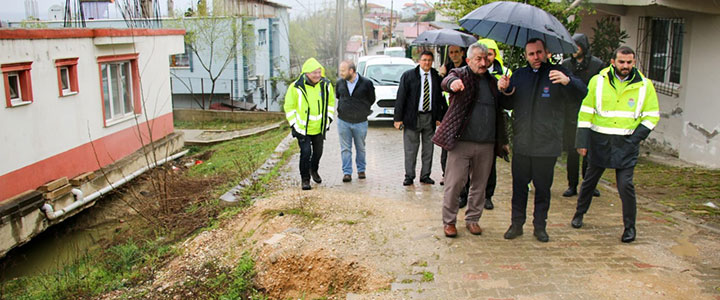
<point x="445" y="37"/>
<point x="515" y="23"/>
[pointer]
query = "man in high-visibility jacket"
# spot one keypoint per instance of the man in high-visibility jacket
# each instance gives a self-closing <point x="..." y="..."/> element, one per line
<point x="309" y="108"/>
<point x="619" y="111"/>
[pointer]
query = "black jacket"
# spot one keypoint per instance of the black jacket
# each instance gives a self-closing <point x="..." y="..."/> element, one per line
<point x="354" y="108"/>
<point x="408" y="98"/>
<point x="538" y="109"/>
<point x="585" y="70"/>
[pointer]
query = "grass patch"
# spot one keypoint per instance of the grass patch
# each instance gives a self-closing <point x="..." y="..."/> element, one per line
<point x="428" y="276"/>
<point x="223" y="124"/>
<point x="223" y="283"/>
<point x="136" y="253"/>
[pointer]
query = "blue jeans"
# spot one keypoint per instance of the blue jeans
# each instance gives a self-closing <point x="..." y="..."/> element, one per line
<point x="347" y="133"/>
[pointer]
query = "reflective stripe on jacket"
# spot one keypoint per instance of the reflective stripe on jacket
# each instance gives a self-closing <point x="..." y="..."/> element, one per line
<point x="310" y="109"/>
<point x="616" y="108"/>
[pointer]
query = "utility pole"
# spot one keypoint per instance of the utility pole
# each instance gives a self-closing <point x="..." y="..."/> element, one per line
<point x="391" y="24"/>
<point x="171" y="8"/>
<point x="362" y="25"/>
<point x="339" y="25"/>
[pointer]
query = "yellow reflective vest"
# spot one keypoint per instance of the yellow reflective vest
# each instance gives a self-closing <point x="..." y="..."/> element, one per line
<point x="310" y="109"/>
<point x="618" y="108"/>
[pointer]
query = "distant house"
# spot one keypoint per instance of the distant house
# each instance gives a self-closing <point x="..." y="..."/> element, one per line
<point x="411" y="10"/>
<point x="413" y="29"/>
<point x="375" y="30"/>
<point x="676" y="44"/>
<point x="76" y="101"/>
<point x="354" y="48"/>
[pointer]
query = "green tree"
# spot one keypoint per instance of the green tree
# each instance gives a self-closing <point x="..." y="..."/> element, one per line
<point x="514" y="56"/>
<point x="607" y="36"/>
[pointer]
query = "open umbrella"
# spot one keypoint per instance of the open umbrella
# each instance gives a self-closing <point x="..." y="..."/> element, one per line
<point x="515" y="23"/>
<point x="444" y="37"/>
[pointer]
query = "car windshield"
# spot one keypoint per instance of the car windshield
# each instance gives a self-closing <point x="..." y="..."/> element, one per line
<point x="395" y="53"/>
<point x="386" y="74"/>
<point x="361" y="68"/>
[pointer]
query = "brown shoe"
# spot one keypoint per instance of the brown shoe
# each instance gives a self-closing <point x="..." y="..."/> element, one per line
<point x="347" y="178"/>
<point x="474" y="228"/>
<point x="450" y="230"/>
<point x="361" y="175"/>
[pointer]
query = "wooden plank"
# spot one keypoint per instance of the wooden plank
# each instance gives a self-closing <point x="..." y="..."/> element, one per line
<point x="58" y="192"/>
<point x="82" y="178"/>
<point x="53" y="185"/>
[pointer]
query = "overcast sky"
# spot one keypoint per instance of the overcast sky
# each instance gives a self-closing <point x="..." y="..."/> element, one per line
<point x="14" y="10"/>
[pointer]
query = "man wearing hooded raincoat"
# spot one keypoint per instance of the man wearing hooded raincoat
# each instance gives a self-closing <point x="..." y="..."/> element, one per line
<point x="583" y="65"/>
<point x="309" y="108"/>
<point x="497" y="68"/>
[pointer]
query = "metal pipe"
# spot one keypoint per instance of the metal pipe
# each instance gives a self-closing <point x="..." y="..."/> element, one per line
<point x="81" y="201"/>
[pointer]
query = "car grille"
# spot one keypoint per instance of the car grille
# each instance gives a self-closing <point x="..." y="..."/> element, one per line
<point x="386" y="103"/>
<point x="384" y="116"/>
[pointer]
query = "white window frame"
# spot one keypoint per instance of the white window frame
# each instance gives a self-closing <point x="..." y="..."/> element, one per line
<point x="18" y="88"/>
<point x="66" y="81"/>
<point x="127" y="84"/>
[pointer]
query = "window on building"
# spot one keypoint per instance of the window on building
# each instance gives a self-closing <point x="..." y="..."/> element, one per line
<point x="18" y="86"/>
<point x="120" y="88"/>
<point x="262" y="36"/>
<point x="67" y="76"/>
<point x="660" y="52"/>
<point x="183" y="60"/>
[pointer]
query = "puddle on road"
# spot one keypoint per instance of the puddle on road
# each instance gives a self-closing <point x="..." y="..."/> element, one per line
<point x="684" y="246"/>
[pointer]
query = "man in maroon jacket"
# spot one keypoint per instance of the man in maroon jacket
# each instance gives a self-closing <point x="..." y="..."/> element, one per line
<point x="472" y="129"/>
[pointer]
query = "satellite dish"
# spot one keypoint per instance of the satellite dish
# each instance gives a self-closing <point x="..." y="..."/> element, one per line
<point x="55" y="12"/>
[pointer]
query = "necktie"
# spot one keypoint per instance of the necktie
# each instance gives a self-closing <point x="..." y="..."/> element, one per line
<point x="426" y="94"/>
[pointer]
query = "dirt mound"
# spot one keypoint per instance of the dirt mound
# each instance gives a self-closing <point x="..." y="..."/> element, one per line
<point x="315" y="274"/>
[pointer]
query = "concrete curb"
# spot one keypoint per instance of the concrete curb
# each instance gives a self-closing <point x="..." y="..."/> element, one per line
<point x="230" y="199"/>
<point x="192" y="136"/>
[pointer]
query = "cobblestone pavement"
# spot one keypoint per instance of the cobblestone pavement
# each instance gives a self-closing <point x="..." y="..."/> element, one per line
<point x="669" y="259"/>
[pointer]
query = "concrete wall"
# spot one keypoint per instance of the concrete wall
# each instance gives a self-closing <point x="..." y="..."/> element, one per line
<point x="54" y="125"/>
<point x="689" y="123"/>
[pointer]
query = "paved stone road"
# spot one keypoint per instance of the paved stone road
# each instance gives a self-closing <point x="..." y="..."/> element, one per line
<point x="669" y="260"/>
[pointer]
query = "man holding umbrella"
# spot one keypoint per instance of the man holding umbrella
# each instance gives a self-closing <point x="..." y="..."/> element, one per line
<point x="537" y="94"/>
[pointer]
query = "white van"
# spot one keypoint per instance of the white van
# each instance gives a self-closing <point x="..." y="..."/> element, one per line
<point x="395" y="51"/>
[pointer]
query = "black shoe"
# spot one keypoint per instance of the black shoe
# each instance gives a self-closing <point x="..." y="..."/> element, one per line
<point x="463" y="201"/>
<point x="596" y="193"/>
<point x="347" y="178"/>
<point x="407" y="182"/>
<point x="315" y="176"/>
<point x="514" y="231"/>
<point x="628" y="235"/>
<point x="361" y="175"/>
<point x="541" y="235"/>
<point x="427" y="180"/>
<point x="577" y="220"/>
<point x="306" y="184"/>
<point x="571" y="191"/>
<point x="488" y="203"/>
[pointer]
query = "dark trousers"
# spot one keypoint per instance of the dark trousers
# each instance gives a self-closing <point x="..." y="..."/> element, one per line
<point x="311" y="149"/>
<point x="411" y="143"/>
<point x="626" y="189"/>
<point x="491" y="183"/>
<point x="573" y="164"/>
<point x="539" y="171"/>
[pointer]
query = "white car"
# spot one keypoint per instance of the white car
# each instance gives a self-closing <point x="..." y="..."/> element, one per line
<point x="394" y="51"/>
<point x="385" y="74"/>
<point x="360" y="67"/>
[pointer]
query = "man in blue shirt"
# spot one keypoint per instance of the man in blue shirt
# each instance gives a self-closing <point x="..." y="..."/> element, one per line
<point x="355" y="95"/>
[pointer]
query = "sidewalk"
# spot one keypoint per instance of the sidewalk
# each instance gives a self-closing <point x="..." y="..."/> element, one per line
<point x="401" y="237"/>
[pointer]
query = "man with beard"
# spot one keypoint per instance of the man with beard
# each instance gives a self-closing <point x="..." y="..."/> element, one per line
<point x="619" y="111"/>
<point x="583" y="65"/>
<point x="471" y="130"/>
<point x="537" y="95"/>
<point x="355" y="94"/>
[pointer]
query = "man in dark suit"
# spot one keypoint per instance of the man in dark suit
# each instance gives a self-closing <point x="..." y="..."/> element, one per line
<point x="419" y="108"/>
<point x="355" y="94"/>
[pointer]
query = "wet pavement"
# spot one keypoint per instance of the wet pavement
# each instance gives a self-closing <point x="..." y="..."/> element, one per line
<point x="669" y="259"/>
